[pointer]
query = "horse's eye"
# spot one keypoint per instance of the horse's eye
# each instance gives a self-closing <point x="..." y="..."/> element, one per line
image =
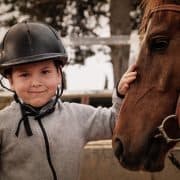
<point x="159" y="43"/>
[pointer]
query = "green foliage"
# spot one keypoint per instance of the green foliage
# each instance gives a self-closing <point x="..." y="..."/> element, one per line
<point x="68" y="16"/>
<point x="135" y="14"/>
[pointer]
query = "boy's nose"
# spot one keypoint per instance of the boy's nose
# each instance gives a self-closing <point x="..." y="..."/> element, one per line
<point x="36" y="82"/>
<point x="36" y="85"/>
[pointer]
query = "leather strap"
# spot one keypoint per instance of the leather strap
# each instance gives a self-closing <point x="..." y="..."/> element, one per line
<point x="165" y="7"/>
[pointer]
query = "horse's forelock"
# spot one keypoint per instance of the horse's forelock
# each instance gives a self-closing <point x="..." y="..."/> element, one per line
<point x="147" y="6"/>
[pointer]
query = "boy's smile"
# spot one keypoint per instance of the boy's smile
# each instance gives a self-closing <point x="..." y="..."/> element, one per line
<point x="35" y="83"/>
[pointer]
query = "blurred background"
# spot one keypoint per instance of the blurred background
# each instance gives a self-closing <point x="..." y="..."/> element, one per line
<point x="100" y="36"/>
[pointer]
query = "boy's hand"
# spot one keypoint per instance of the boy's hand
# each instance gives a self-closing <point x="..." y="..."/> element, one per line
<point x="128" y="77"/>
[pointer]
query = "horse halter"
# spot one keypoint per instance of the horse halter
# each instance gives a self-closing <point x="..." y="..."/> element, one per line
<point x="169" y="129"/>
<point x="165" y="7"/>
<point x="170" y="122"/>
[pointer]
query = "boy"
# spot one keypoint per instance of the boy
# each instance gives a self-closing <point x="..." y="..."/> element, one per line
<point x="41" y="137"/>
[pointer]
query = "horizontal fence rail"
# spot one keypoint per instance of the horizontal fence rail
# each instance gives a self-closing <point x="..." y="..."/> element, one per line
<point x="88" y="41"/>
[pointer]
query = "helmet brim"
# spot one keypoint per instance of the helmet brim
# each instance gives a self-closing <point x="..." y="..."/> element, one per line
<point x="59" y="57"/>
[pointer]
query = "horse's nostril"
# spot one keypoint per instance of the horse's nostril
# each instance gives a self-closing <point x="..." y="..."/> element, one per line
<point x="118" y="150"/>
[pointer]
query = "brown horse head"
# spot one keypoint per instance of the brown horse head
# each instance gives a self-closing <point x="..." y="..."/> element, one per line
<point x="154" y="94"/>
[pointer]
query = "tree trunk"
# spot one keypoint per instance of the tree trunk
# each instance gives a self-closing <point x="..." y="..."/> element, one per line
<point x="120" y="25"/>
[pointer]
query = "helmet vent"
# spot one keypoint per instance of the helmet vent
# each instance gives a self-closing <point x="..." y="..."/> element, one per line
<point x="29" y="37"/>
<point x="55" y="33"/>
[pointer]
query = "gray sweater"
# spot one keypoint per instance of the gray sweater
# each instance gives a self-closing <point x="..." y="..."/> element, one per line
<point x="68" y="129"/>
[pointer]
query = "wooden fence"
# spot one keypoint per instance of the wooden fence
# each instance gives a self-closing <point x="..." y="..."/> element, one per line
<point x="88" y="41"/>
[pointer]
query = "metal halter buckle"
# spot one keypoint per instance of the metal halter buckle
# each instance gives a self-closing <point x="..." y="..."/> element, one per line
<point x="163" y="131"/>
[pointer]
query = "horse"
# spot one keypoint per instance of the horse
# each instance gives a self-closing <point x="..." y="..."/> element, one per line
<point x="140" y="137"/>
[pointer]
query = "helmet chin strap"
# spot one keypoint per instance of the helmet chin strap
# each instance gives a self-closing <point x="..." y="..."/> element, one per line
<point x="178" y="110"/>
<point x="3" y="86"/>
<point x="28" y="110"/>
<point x="61" y="86"/>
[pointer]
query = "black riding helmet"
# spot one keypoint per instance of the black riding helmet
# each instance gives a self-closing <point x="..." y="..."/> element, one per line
<point x="31" y="42"/>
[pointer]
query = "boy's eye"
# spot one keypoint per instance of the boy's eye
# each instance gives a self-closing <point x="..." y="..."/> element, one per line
<point x="24" y="75"/>
<point x="46" y="71"/>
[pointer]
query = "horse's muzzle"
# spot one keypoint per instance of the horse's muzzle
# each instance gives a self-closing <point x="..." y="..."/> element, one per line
<point x="147" y="160"/>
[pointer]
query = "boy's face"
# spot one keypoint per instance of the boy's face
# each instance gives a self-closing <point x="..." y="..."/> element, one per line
<point x="35" y="83"/>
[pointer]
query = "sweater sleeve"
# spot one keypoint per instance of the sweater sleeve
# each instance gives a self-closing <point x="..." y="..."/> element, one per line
<point x="99" y="122"/>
